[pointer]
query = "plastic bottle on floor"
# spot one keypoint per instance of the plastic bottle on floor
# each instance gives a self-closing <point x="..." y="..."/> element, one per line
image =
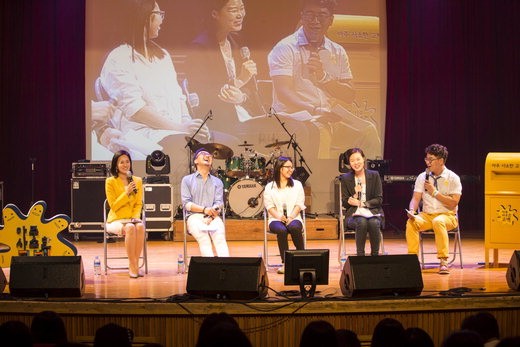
<point x="97" y="266"/>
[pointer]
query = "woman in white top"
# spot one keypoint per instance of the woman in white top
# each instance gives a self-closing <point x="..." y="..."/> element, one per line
<point x="284" y="199"/>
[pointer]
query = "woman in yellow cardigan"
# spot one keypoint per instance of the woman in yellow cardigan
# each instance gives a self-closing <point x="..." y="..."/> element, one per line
<point x="125" y="197"/>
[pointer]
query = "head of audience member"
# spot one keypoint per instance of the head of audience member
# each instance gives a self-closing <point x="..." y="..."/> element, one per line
<point x="111" y="335"/>
<point x="118" y="157"/>
<point x="435" y="158"/>
<point x="221" y="329"/>
<point x="319" y="333"/>
<point x="417" y="337"/>
<point x="15" y="334"/>
<point x="143" y="21"/>
<point x="283" y="169"/>
<point x="355" y="159"/>
<point x="484" y="324"/>
<point x="463" y="338"/>
<point x="389" y="332"/>
<point x="347" y="338"/>
<point x="209" y="322"/>
<point x="316" y="17"/>
<point x="47" y="327"/>
<point x="509" y="342"/>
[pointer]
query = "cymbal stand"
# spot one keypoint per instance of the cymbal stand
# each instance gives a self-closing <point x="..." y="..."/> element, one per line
<point x="297" y="151"/>
<point x="191" y="141"/>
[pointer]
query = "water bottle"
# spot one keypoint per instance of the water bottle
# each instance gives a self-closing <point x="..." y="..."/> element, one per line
<point x="343" y="259"/>
<point x="180" y="264"/>
<point x="97" y="266"/>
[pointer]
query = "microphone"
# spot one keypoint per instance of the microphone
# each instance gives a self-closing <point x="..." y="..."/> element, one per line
<point x="130" y="179"/>
<point x="359" y="193"/>
<point x="191" y="98"/>
<point x="284" y="207"/>
<point x="246" y="55"/>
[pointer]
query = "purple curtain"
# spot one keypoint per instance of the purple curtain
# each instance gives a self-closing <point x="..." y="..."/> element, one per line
<point x="453" y="78"/>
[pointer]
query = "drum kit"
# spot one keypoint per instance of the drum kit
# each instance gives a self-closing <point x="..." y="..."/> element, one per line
<point x="244" y="176"/>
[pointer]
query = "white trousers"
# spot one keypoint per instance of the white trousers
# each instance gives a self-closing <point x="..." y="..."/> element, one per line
<point x="204" y="233"/>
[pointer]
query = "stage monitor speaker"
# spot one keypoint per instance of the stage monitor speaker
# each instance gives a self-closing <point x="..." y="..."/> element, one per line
<point x="53" y="276"/>
<point x="233" y="278"/>
<point x="381" y="275"/>
<point x="3" y="281"/>
<point x="513" y="271"/>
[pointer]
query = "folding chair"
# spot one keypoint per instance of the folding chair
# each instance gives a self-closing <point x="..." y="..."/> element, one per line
<point x="109" y="238"/>
<point x="457" y="244"/>
<point x="345" y="231"/>
<point x="267" y="233"/>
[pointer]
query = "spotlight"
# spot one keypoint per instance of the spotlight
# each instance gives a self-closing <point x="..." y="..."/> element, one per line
<point x="157" y="164"/>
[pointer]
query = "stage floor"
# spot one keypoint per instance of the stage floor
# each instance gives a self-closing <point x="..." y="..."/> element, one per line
<point x="162" y="280"/>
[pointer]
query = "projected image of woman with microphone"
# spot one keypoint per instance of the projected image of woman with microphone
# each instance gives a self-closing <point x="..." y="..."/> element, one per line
<point x="141" y="81"/>
<point x="284" y="199"/>
<point x="124" y="194"/>
<point x="220" y="69"/>
<point x="362" y="196"/>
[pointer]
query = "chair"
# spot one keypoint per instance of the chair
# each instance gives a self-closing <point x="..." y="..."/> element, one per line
<point x="186" y="231"/>
<point x="457" y="244"/>
<point x="267" y="233"/>
<point x="109" y="238"/>
<point x="345" y="231"/>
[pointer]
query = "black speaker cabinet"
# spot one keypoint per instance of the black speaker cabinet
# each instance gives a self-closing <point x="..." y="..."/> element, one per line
<point x="513" y="271"/>
<point x="87" y="195"/>
<point x="3" y="281"/>
<point x="237" y="278"/>
<point x="53" y="276"/>
<point x="381" y="275"/>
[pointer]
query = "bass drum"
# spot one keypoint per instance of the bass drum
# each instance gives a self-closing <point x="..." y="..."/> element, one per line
<point x="246" y="198"/>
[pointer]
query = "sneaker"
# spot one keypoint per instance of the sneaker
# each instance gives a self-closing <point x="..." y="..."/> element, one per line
<point x="281" y="270"/>
<point x="443" y="269"/>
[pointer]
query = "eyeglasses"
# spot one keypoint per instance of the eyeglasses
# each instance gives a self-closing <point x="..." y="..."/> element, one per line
<point x="160" y="13"/>
<point x="289" y="167"/>
<point x="310" y="16"/>
<point x="430" y="160"/>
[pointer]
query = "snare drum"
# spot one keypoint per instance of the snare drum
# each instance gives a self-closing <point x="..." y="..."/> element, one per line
<point x="235" y="167"/>
<point x="246" y="198"/>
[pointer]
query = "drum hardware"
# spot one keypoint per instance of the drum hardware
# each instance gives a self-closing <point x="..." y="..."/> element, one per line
<point x="245" y="144"/>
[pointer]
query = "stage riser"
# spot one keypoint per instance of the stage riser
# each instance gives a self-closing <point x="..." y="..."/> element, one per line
<point x="253" y="229"/>
<point x="271" y="330"/>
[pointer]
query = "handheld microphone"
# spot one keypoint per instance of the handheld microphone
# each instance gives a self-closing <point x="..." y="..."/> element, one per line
<point x="284" y="207"/>
<point x="130" y="179"/>
<point x="246" y="55"/>
<point x="191" y="98"/>
<point x="359" y="193"/>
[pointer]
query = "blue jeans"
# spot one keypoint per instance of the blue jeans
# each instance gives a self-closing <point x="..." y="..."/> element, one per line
<point x="362" y="226"/>
<point x="281" y="230"/>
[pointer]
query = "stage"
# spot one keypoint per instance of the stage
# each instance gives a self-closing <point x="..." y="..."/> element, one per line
<point x="156" y="309"/>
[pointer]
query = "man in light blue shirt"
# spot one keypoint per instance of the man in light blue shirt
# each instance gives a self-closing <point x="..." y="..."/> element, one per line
<point x="202" y="198"/>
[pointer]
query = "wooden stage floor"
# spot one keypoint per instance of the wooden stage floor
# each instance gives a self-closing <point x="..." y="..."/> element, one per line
<point x="154" y="306"/>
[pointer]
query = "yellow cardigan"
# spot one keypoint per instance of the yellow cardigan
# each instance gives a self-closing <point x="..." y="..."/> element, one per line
<point x="121" y="205"/>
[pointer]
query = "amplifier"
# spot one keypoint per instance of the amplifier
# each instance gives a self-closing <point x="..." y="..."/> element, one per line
<point x="89" y="170"/>
<point x="158" y="205"/>
<point x="87" y="196"/>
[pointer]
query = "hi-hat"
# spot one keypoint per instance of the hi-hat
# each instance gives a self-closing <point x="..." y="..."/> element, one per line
<point x="217" y="150"/>
<point x="192" y="142"/>
<point x="277" y="144"/>
<point x="245" y="144"/>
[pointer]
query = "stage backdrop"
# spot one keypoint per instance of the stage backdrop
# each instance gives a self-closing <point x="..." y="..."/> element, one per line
<point x="359" y="26"/>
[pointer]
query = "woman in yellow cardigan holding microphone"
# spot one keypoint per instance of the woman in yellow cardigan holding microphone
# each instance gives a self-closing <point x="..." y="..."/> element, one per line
<point x="125" y="197"/>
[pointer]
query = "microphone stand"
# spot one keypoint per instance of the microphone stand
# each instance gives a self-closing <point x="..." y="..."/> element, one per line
<point x="33" y="173"/>
<point x="189" y="144"/>
<point x="296" y="148"/>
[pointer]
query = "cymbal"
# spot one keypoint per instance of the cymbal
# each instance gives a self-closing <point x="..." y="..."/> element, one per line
<point x="245" y="144"/>
<point x="218" y="150"/>
<point x="277" y="144"/>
